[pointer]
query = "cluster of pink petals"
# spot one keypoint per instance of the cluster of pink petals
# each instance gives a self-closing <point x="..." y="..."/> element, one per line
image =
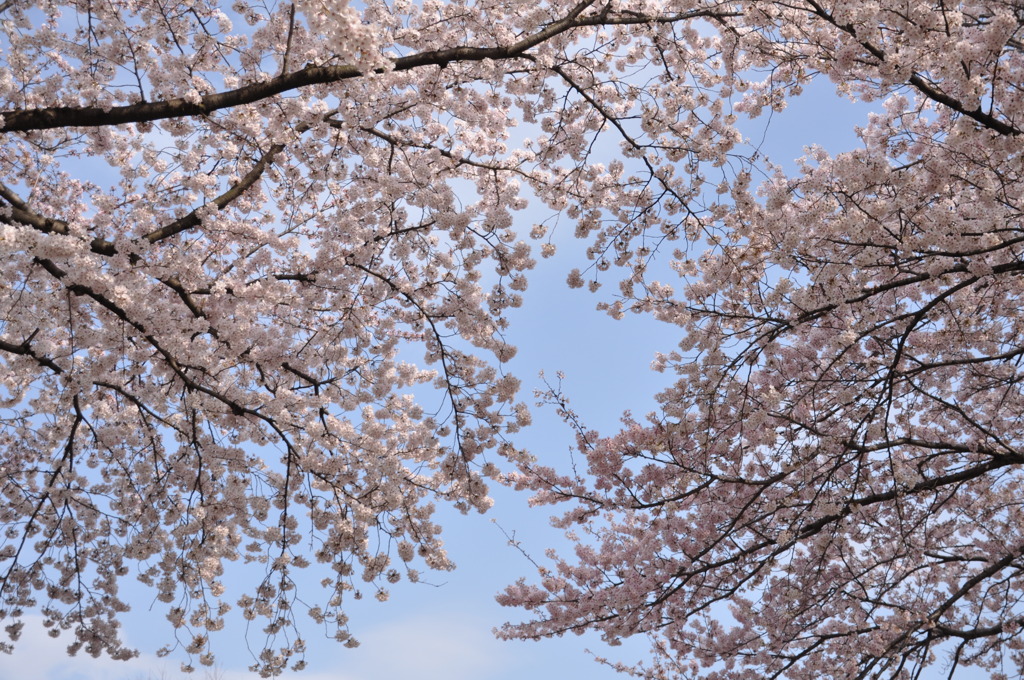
<point x="257" y="265"/>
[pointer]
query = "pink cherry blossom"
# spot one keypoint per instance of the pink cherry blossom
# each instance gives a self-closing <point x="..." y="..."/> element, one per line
<point x="831" y="488"/>
<point x="257" y="267"/>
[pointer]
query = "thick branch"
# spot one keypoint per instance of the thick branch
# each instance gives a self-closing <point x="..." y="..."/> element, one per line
<point x="193" y="219"/>
<point x="926" y="88"/>
<point x="93" y="116"/>
<point x="25" y="349"/>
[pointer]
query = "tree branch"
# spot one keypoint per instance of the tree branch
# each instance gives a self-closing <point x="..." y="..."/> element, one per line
<point x="94" y="116"/>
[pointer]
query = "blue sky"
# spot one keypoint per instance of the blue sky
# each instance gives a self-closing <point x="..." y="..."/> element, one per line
<point x="444" y="630"/>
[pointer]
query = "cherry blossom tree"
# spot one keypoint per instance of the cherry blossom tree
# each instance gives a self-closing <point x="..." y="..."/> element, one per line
<point x="257" y="266"/>
<point x="832" y="487"/>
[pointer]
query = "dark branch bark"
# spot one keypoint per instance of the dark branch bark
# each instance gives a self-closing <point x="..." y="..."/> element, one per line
<point x="224" y="200"/>
<point x="92" y="116"/>
<point x="25" y="349"/>
<point x="926" y="88"/>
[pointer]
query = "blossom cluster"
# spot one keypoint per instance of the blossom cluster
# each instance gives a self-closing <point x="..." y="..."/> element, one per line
<point x="831" y="488"/>
<point x="257" y="267"/>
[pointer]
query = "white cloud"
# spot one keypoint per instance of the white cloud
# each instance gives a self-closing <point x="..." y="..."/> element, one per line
<point x="443" y="647"/>
<point x="36" y="655"/>
<point x="425" y="648"/>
